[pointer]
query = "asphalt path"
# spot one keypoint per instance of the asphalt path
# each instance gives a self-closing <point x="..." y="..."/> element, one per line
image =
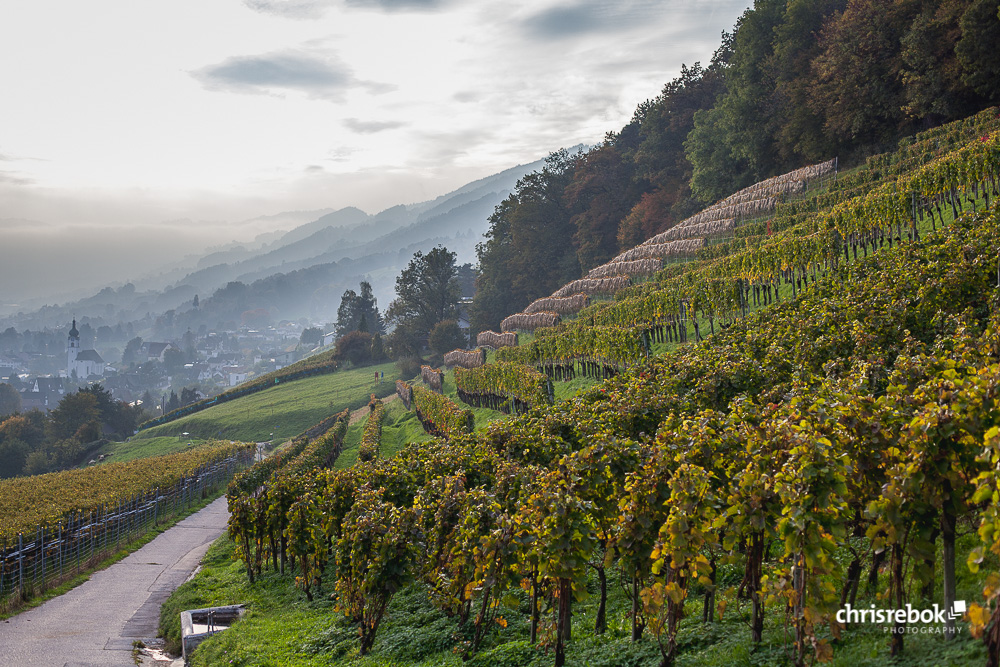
<point x="96" y="623"/>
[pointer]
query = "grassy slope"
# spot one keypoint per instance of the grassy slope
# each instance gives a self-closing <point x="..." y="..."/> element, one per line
<point x="399" y="428"/>
<point x="281" y="628"/>
<point x="284" y="410"/>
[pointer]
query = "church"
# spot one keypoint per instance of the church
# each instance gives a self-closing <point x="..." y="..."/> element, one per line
<point x="81" y="363"/>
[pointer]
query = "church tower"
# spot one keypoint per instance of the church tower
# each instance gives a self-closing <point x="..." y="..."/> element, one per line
<point x="72" y="347"/>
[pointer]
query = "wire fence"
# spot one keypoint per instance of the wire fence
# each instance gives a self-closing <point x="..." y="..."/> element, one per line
<point x="54" y="553"/>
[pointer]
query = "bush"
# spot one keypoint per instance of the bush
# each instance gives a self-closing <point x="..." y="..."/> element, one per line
<point x="355" y="347"/>
<point x="409" y="367"/>
<point x="446" y="336"/>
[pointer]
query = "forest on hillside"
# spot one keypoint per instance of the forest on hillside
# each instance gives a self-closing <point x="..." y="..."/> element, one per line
<point x="796" y="81"/>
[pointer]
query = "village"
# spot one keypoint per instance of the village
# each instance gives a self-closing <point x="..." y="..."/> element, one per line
<point x="160" y="375"/>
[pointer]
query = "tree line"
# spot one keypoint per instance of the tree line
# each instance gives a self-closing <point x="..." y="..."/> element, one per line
<point x="34" y="442"/>
<point x="796" y="81"/>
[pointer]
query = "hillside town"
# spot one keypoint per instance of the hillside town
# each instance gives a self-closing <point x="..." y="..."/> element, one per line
<point x="45" y="366"/>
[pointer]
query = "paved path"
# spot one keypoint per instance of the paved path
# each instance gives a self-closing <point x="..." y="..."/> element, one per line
<point x="94" y="624"/>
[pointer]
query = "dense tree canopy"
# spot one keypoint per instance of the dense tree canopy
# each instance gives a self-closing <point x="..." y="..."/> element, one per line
<point x="427" y="292"/>
<point x="359" y="312"/>
<point x="10" y="400"/>
<point x="797" y="81"/>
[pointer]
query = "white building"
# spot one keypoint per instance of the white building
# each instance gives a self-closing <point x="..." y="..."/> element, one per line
<point x="82" y="363"/>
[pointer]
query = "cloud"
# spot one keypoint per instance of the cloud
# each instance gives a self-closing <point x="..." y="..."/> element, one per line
<point x="8" y="224"/>
<point x="317" y="76"/>
<point x="394" y="5"/>
<point x="12" y="178"/>
<point x="292" y="9"/>
<point x="315" y="9"/>
<point x="371" y="126"/>
<point x="467" y="96"/>
<point x="589" y="16"/>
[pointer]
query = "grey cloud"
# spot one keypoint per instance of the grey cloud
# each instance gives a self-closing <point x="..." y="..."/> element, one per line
<point x="371" y="126"/>
<point x="393" y="5"/>
<point x="314" y="9"/>
<point x="444" y="148"/>
<point x="467" y="96"/>
<point x="377" y="87"/>
<point x="292" y="9"/>
<point x="589" y="16"/>
<point x="11" y="178"/>
<point x="9" y="224"/>
<point x="320" y="77"/>
<point x="342" y="154"/>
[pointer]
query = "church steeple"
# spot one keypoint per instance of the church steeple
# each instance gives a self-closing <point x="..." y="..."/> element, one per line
<point x="72" y="347"/>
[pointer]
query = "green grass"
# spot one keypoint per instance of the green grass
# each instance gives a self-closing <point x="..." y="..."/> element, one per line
<point x="280" y="412"/>
<point x="140" y="448"/>
<point x="282" y="628"/>
<point x="399" y="428"/>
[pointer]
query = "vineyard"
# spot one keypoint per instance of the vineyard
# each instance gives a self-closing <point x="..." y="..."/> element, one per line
<point x="59" y="524"/>
<point x="262" y="498"/>
<point x="828" y="436"/>
<point x="509" y="388"/>
<point x="26" y="502"/>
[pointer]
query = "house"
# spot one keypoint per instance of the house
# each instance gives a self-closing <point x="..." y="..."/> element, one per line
<point x="155" y="351"/>
<point x="286" y="358"/>
<point x="10" y="365"/>
<point x="43" y="394"/>
<point x="220" y="361"/>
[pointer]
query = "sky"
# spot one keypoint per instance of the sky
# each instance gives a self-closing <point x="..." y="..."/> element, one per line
<point x="179" y="123"/>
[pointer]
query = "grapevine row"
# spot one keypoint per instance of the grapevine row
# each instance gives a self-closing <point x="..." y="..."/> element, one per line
<point x="439" y="415"/>
<point x="259" y="498"/>
<point x="371" y="435"/>
<point x="503" y="386"/>
<point x="432" y="377"/>
<point x="26" y="502"/>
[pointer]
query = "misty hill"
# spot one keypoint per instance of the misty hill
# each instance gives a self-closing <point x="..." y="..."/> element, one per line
<point x="298" y="273"/>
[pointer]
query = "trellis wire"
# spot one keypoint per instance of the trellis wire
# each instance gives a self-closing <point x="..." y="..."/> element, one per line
<point x="48" y="554"/>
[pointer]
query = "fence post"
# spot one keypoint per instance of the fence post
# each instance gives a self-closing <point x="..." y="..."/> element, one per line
<point x="60" y="556"/>
<point x="20" y="564"/>
<point x="34" y="559"/>
<point x="41" y="544"/>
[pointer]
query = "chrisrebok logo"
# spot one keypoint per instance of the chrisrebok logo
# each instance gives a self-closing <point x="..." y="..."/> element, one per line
<point x="908" y="614"/>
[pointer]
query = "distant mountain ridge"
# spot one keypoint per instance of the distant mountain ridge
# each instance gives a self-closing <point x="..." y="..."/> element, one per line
<point x="314" y="262"/>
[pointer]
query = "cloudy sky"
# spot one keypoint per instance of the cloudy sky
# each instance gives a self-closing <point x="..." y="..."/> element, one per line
<point x="190" y="116"/>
